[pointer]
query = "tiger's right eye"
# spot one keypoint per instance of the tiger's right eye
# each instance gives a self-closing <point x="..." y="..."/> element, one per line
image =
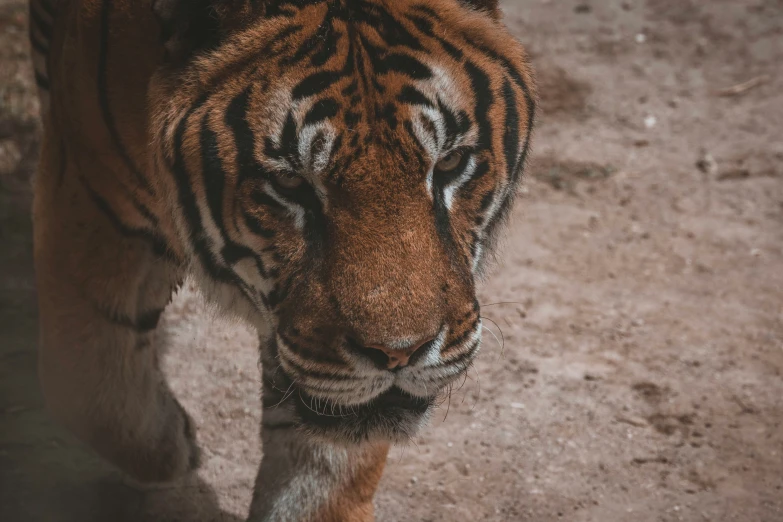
<point x="453" y="162"/>
<point x="288" y="181"/>
<point x="450" y="162"/>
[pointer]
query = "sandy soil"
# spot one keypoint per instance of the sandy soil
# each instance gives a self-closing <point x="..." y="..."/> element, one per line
<point x="632" y="366"/>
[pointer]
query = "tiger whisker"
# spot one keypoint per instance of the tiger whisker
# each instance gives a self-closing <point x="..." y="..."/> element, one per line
<point x="402" y="454"/>
<point x="503" y="344"/>
<point x="286" y="395"/>
<point x="478" y="383"/>
<point x="448" y="407"/>
<point x="500" y="303"/>
<point x="464" y="380"/>
<point x="309" y="407"/>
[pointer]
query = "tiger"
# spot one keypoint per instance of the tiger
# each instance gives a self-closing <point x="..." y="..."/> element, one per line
<point x="334" y="172"/>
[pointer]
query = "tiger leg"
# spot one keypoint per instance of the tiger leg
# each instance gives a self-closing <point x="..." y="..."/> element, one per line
<point x="101" y="291"/>
<point x="302" y="479"/>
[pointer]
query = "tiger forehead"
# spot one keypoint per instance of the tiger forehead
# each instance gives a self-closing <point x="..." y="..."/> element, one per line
<point x="315" y="87"/>
<point x="425" y="113"/>
<point x="345" y="86"/>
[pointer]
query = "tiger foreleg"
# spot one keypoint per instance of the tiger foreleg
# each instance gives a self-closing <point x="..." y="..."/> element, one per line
<point x="301" y="480"/>
<point x="101" y="291"/>
<point x="305" y="479"/>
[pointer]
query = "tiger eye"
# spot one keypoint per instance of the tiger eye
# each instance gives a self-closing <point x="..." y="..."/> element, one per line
<point x="288" y="181"/>
<point x="450" y="162"/>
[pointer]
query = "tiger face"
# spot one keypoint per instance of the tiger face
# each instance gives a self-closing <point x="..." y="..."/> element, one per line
<point x="340" y="169"/>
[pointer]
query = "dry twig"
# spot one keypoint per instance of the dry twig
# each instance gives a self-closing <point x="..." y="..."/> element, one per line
<point x="741" y="88"/>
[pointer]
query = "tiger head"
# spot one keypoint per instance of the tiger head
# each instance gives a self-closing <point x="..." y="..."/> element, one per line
<point x="340" y="169"/>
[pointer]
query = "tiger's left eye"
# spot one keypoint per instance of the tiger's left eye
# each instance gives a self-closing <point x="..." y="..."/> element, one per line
<point x="288" y="181"/>
<point x="452" y="161"/>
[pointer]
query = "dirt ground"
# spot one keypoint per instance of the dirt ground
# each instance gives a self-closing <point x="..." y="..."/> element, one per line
<point x="631" y="369"/>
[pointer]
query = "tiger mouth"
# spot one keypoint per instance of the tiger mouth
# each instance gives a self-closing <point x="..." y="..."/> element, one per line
<point x="393" y="416"/>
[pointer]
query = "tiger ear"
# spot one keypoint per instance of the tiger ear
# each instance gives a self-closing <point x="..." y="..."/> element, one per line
<point x="489" y="6"/>
<point x="186" y="26"/>
<point x="189" y="26"/>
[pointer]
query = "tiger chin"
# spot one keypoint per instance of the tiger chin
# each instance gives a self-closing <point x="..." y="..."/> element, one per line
<point x="335" y="172"/>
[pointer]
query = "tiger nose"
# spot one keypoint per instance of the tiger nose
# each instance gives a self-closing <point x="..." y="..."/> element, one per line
<point x="395" y="356"/>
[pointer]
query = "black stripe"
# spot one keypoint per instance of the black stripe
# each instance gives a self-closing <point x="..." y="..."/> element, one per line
<point x="482" y="89"/>
<point x="257" y="227"/>
<point x="41" y="81"/>
<point x="144" y="211"/>
<point x="322" y="110"/>
<point x="456" y="124"/>
<point x="148" y="321"/>
<point x="350" y="89"/>
<point x="422" y="24"/>
<point x="144" y="323"/>
<point x="236" y="120"/>
<point x="159" y="245"/>
<point x="486" y="201"/>
<point x="103" y="98"/>
<point x="315" y="83"/>
<point x="214" y="177"/>
<point x="249" y="168"/>
<point x="442" y="221"/>
<point x="464" y="335"/>
<point x="264" y="199"/>
<point x="327" y="50"/>
<point x="351" y="118"/>
<point x="403" y="64"/>
<point x="307" y="47"/>
<point x="413" y="96"/>
<point x="520" y="82"/>
<point x="289" y="144"/>
<point x="38" y="21"/>
<point x="426" y="10"/>
<point x="518" y="79"/>
<point x="469" y="353"/>
<point x="298" y="349"/>
<point x="190" y="212"/>
<point x="110" y="124"/>
<point x="425" y="26"/>
<point x="505" y="208"/>
<point x="321" y="46"/>
<point x="317" y="374"/>
<point x="385" y="24"/>
<point x="453" y="50"/>
<point x="387" y="113"/>
<point x="37" y="44"/>
<point x="511" y="135"/>
<point x="482" y="168"/>
<point x="277" y="44"/>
